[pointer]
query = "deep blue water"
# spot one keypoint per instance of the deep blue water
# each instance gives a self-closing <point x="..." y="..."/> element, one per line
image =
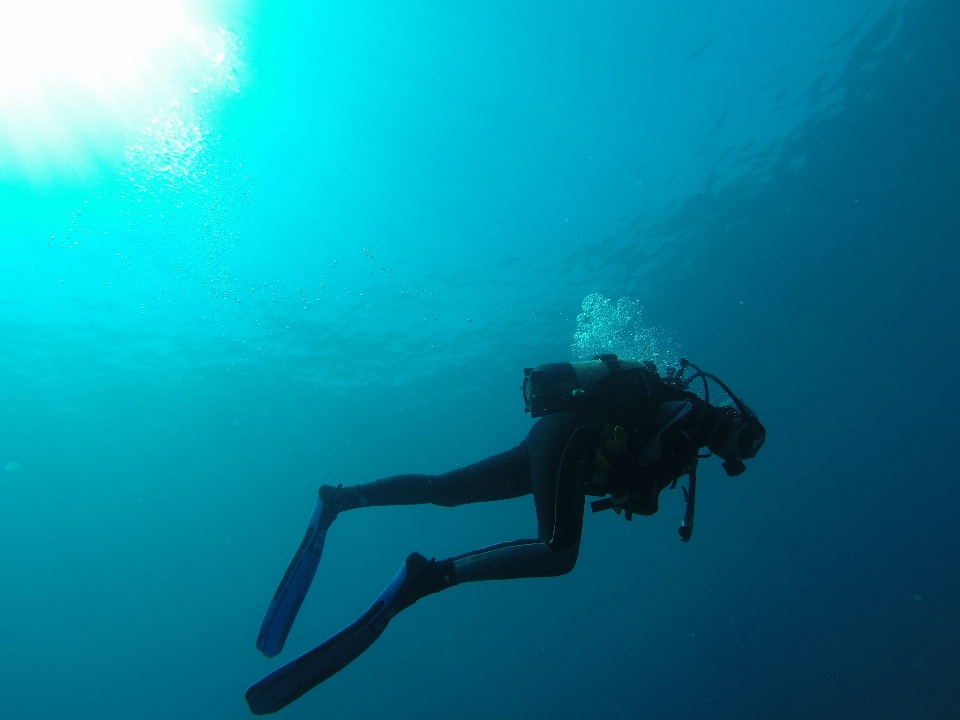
<point x="324" y="249"/>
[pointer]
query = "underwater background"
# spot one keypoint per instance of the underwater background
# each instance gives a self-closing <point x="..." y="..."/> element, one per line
<point x="277" y="245"/>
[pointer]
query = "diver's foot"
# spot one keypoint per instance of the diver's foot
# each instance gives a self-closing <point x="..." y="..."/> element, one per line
<point x="418" y="577"/>
<point x="296" y="580"/>
<point x="423" y="577"/>
<point x="331" y="497"/>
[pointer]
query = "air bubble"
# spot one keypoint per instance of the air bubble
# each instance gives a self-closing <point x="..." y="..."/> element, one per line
<point x="605" y="327"/>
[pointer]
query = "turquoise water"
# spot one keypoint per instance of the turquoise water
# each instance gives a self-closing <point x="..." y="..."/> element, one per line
<point x="297" y="244"/>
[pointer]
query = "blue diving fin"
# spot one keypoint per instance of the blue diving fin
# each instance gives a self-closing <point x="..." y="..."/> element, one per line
<point x="286" y="684"/>
<point x="296" y="581"/>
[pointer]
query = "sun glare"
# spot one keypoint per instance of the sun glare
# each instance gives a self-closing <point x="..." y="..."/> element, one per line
<point x="98" y="44"/>
<point x="74" y="73"/>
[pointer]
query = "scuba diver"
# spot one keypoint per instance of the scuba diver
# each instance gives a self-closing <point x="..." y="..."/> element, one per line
<point x="608" y="428"/>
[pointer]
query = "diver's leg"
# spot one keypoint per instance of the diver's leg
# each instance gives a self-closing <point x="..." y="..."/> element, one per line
<point x="513" y="560"/>
<point x="560" y="452"/>
<point x="417" y="578"/>
<point x="500" y="477"/>
<point x="549" y="462"/>
<point x="557" y="449"/>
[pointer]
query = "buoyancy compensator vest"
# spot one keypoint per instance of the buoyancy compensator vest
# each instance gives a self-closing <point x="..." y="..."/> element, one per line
<point x="632" y="406"/>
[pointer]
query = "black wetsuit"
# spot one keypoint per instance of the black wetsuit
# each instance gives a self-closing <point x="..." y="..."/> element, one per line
<point x="557" y="463"/>
<point x="630" y="438"/>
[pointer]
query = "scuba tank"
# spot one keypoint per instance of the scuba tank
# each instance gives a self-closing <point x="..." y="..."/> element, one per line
<point x="584" y="386"/>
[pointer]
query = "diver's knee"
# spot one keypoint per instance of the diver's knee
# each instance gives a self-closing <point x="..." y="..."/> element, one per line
<point x="566" y="559"/>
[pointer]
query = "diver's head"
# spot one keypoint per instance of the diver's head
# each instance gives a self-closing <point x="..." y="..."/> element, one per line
<point x="739" y="434"/>
<point x="738" y="437"/>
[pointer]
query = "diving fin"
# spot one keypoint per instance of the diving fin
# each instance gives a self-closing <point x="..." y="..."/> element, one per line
<point x="417" y="578"/>
<point x="296" y="580"/>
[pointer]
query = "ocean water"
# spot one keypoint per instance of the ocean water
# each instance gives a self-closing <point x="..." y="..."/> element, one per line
<point x="246" y="249"/>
